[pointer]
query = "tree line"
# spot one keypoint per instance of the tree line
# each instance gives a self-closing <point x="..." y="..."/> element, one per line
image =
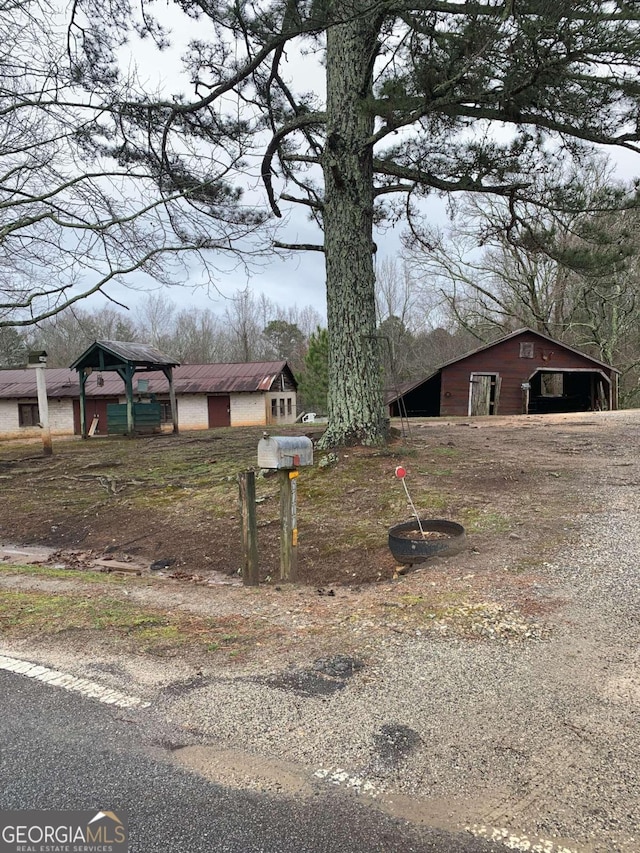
<point x="108" y="168"/>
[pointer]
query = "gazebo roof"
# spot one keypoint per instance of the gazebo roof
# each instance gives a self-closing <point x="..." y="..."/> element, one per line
<point x="112" y="355"/>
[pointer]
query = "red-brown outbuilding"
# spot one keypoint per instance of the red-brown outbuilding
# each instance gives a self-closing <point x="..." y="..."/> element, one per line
<point x="525" y="372"/>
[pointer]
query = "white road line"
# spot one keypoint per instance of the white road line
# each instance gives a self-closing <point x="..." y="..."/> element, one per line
<point x="87" y="688"/>
<point x="518" y="842"/>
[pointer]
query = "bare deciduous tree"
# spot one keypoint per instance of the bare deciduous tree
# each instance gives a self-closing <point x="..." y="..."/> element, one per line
<point x="81" y="207"/>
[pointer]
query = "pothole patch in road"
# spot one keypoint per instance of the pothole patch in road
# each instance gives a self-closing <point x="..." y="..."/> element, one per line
<point x="393" y="744"/>
<point x="302" y="682"/>
<point x="241" y="770"/>
<point x="325" y="677"/>
<point x="179" y="688"/>
<point x="338" y="666"/>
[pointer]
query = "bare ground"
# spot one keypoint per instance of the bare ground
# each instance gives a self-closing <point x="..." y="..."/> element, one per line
<point x="522" y="487"/>
<point x="516" y="484"/>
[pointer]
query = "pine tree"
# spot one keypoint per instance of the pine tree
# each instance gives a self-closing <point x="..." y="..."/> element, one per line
<point x="314" y="381"/>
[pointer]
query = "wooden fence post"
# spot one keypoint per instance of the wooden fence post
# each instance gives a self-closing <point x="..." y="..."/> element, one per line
<point x="247" y="490"/>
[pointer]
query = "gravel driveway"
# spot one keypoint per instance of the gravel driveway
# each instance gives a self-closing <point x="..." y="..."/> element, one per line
<point x="537" y="737"/>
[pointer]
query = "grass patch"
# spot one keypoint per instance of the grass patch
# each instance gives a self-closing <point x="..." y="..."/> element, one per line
<point x="64" y="574"/>
<point x="447" y="452"/>
<point x="127" y="625"/>
<point x="485" y="521"/>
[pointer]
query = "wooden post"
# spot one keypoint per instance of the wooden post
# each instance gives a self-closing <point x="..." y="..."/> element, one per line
<point x="168" y="372"/>
<point x="288" y="528"/>
<point x="174" y="406"/>
<point x="83" y="404"/>
<point x="247" y="490"/>
<point x="128" y="379"/>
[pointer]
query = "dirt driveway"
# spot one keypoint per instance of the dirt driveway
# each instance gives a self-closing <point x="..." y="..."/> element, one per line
<point x="496" y="689"/>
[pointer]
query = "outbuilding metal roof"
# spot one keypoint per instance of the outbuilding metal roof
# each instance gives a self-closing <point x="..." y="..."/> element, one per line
<point x="61" y="382"/>
<point x="187" y="379"/>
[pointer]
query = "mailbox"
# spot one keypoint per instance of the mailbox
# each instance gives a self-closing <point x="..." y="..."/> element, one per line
<point x="284" y="451"/>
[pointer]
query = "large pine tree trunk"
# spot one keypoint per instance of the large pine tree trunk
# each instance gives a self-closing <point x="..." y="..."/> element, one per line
<point x="356" y="414"/>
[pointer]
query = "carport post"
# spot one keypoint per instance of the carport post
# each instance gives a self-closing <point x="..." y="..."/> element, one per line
<point x="174" y="406"/>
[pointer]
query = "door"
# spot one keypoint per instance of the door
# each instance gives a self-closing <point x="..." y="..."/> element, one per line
<point x="484" y="394"/>
<point x="219" y="411"/>
<point x="96" y="408"/>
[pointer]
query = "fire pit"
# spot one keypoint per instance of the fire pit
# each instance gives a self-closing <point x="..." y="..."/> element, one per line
<point x="416" y="541"/>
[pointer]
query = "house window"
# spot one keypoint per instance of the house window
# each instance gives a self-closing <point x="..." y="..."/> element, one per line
<point x="165" y="412"/>
<point x="526" y="349"/>
<point x="274" y="408"/>
<point x="289" y="406"/>
<point x="28" y="414"/>
<point x="281" y="407"/>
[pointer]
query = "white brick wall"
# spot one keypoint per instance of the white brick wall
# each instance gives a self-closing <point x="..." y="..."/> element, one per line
<point x="192" y="411"/>
<point x="255" y="409"/>
<point x="8" y="416"/>
<point x="60" y="419"/>
<point x="248" y="410"/>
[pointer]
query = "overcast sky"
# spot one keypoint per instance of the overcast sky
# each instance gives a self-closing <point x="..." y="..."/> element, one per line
<point x="299" y="279"/>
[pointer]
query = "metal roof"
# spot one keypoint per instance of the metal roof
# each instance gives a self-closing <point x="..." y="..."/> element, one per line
<point x="187" y="379"/>
<point x="129" y="351"/>
<point x="61" y="382"/>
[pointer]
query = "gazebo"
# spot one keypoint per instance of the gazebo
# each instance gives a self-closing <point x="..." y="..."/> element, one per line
<point x="125" y="359"/>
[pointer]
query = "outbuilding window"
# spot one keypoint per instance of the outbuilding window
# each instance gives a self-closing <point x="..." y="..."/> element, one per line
<point x="165" y="412"/>
<point x="28" y="414"/>
<point x="526" y="349"/>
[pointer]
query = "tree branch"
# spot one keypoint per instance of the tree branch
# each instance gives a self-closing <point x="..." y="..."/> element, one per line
<point x="299" y="122"/>
<point x="305" y="247"/>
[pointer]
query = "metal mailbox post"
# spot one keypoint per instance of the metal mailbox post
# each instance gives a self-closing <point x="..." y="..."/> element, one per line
<point x="285" y="454"/>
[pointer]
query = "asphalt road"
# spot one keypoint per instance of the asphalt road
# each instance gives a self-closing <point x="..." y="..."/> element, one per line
<point x="59" y="750"/>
